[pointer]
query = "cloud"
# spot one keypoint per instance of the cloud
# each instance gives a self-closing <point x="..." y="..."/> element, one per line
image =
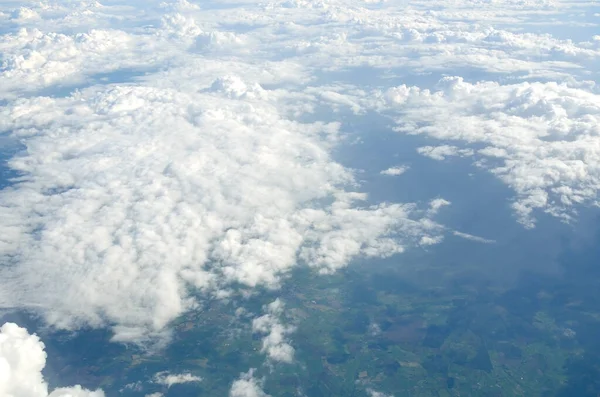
<point x="135" y="386"/>
<point x="190" y="156"/>
<point x="395" y="171"/>
<point x="373" y="393"/>
<point x="164" y="378"/>
<point x="441" y="152"/>
<point x="22" y="359"/>
<point x="473" y="238"/>
<point x="133" y="194"/>
<point x="436" y="204"/>
<point x="174" y="153"/>
<point x="23" y="14"/>
<point x="247" y="386"/>
<point x="388" y="40"/>
<point x="374" y="329"/>
<point x="540" y="139"/>
<point x="274" y="344"/>
<point x="33" y="59"/>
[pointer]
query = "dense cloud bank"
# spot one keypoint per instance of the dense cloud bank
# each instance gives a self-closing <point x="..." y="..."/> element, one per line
<point x="194" y="175"/>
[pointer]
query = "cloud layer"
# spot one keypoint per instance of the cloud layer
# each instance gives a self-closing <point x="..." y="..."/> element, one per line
<point x="541" y="139"/>
<point x="132" y="194"/>
<point x="174" y="152"/>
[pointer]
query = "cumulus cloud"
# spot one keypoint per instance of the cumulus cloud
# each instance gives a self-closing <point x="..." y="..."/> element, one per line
<point x="33" y="59"/>
<point x="394" y="171"/>
<point x="208" y="169"/>
<point x="336" y="36"/>
<point x="274" y="344"/>
<point x="541" y="139"/>
<point x="135" y="193"/>
<point x="247" y="386"/>
<point x="436" y="204"/>
<point x="171" y="148"/>
<point x="22" y="359"/>
<point x="167" y="379"/>
<point x="443" y="151"/>
<point x="23" y="14"/>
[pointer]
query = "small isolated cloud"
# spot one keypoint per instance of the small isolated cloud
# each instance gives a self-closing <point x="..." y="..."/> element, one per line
<point x="395" y="171"/>
<point x="436" y="204"/>
<point x="428" y="240"/>
<point x="135" y="386"/>
<point x="164" y="378"/>
<point x="274" y="344"/>
<point x="22" y="359"/>
<point x="441" y="152"/>
<point x="374" y="329"/>
<point x="373" y="393"/>
<point x="247" y="386"/>
<point x="157" y="394"/>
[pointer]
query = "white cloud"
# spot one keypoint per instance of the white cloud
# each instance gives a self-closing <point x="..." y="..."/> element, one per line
<point x="441" y="152"/>
<point x="135" y="386"/>
<point x="275" y="343"/>
<point x="33" y="59"/>
<point x="134" y="193"/>
<point x="22" y="359"/>
<point x="336" y="36"/>
<point x="436" y="204"/>
<point x="167" y="379"/>
<point x="247" y="386"/>
<point x="428" y="240"/>
<point x="196" y="154"/>
<point x="373" y="393"/>
<point x="157" y="394"/>
<point x="395" y="171"/>
<point x="473" y="238"/>
<point x="196" y="160"/>
<point x="24" y="14"/>
<point x="541" y="139"/>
